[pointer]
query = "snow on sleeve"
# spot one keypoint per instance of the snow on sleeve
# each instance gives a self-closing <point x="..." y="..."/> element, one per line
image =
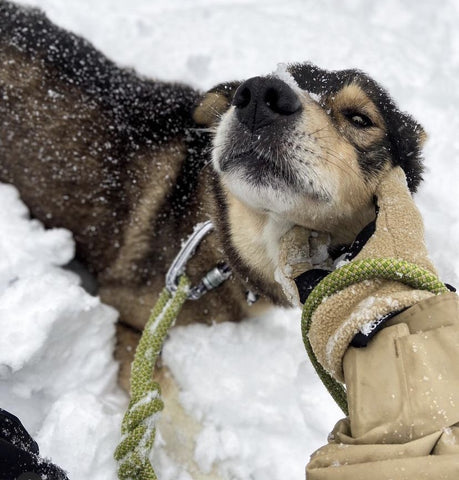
<point x="57" y="373"/>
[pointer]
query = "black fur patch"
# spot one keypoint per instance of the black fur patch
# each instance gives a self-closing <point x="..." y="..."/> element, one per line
<point x="403" y="141"/>
<point x="143" y="111"/>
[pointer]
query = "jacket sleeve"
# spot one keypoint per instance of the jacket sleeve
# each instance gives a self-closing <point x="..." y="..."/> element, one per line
<point x="403" y="396"/>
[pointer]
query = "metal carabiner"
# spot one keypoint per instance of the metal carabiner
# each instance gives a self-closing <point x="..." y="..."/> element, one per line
<point x="211" y="280"/>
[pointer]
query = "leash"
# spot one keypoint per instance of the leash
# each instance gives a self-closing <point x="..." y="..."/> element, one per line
<point x="138" y="427"/>
<point x="347" y="275"/>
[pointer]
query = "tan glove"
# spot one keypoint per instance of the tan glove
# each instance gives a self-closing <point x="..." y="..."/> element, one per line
<point x="399" y="234"/>
<point x="301" y="250"/>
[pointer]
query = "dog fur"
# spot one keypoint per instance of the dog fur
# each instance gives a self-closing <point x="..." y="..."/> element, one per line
<point x="130" y="165"/>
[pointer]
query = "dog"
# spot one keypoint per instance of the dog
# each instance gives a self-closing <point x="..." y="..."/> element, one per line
<point x="130" y="165"/>
<point x="305" y="149"/>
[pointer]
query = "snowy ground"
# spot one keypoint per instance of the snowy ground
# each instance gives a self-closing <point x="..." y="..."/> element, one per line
<point x="263" y="409"/>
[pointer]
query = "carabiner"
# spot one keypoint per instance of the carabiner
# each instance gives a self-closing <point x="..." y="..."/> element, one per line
<point x="212" y="279"/>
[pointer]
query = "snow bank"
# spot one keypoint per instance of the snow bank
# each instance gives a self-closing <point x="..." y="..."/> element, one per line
<point x="248" y="383"/>
<point x="56" y="368"/>
<point x="252" y="387"/>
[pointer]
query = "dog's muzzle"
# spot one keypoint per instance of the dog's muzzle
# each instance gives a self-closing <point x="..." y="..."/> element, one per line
<point x="261" y="101"/>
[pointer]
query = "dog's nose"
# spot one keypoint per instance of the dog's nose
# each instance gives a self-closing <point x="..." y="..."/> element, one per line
<point x="260" y="101"/>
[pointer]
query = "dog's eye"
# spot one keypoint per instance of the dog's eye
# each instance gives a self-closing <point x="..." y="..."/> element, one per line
<point x="358" y="119"/>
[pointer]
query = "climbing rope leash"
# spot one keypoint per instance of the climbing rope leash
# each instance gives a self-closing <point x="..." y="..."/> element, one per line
<point x="356" y="272"/>
<point x="138" y="428"/>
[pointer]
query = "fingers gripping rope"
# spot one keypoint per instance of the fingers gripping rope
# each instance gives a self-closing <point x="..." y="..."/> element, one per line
<point x="355" y="272"/>
<point x="138" y="427"/>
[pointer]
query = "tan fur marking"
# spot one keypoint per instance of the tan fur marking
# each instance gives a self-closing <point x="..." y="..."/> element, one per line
<point x="162" y="169"/>
<point x="335" y="161"/>
<point x="178" y="429"/>
<point x="247" y="235"/>
<point x="423" y="137"/>
<point x="260" y="307"/>
<point x="353" y="97"/>
<point x="211" y="108"/>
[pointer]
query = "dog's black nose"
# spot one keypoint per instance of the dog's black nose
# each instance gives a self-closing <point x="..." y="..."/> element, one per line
<point x="260" y="101"/>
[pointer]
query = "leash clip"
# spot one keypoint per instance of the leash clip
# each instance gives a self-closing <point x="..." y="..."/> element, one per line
<point x="211" y="280"/>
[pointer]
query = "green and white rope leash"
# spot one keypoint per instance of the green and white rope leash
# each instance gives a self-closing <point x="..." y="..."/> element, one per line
<point x="347" y="275"/>
<point x="138" y="426"/>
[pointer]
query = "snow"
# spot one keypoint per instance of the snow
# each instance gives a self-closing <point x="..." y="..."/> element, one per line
<point x="283" y="74"/>
<point x="250" y="384"/>
<point x="257" y="390"/>
<point x="56" y="368"/>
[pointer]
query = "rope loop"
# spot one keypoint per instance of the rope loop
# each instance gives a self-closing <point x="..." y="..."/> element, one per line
<point x="139" y="424"/>
<point x="356" y="272"/>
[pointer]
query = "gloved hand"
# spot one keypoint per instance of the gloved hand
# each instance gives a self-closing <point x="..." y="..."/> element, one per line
<point x="399" y="234"/>
<point x="19" y="455"/>
<point x="302" y="250"/>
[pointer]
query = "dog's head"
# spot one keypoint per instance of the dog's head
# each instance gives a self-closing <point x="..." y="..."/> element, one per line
<point x="305" y="147"/>
<point x="308" y="144"/>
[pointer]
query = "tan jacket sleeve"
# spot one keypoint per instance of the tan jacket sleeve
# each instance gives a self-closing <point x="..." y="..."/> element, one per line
<point x="403" y="395"/>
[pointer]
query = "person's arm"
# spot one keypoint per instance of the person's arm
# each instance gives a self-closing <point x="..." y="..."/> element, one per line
<point x="403" y="383"/>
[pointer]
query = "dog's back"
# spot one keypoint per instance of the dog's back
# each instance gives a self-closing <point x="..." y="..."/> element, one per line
<point x="115" y="158"/>
<point x="78" y="135"/>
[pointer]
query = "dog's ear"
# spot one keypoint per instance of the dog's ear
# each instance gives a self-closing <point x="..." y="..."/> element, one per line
<point x="422" y="136"/>
<point x="214" y="103"/>
<point x="408" y="138"/>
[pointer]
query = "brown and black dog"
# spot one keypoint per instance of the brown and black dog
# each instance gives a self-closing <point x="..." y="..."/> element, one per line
<point x="130" y="165"/>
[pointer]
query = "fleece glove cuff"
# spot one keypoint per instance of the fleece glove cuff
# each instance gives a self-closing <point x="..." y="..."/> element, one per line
<point x="399" y="234"/>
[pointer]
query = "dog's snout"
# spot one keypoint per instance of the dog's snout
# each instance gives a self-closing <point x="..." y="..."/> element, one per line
<point x="260" y="101"/>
